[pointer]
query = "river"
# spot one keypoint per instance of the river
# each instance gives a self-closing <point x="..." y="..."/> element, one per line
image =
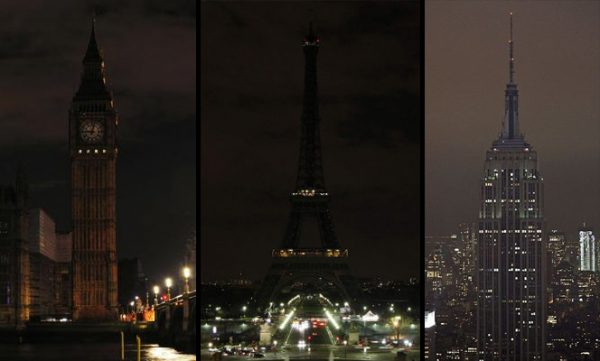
<point x="88" y="352"/>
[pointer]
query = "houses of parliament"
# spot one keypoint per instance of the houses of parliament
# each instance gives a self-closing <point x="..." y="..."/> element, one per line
<point x="70" y="275"/>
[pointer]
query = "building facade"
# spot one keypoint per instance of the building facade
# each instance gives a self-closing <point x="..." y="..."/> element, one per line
<point x="588" y="251"/>
<point x="511" y="303"/>
<point x="49" y="267"/>
<point x="93" y="148"/>
<point x="132" y="282"/>
<point x="14" y="256"/>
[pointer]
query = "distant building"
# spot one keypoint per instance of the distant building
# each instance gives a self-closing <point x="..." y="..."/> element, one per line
<point x="429" y="341"/>
<point x="50" y="269"/>
<point x="564" y="284"/>
<point x="63" y="273"/>
<point x="588" y="252"/>
<point x="132" y="281"/>
<point x="556" y="247"/>
<point x="14" y="255"/>
<point x="35" y="261"/>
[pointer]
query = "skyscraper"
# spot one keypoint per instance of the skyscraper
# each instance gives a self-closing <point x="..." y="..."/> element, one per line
<point x="587" y="250"/>
<point x="93" y="148"/>
<point x="511" y="252"/>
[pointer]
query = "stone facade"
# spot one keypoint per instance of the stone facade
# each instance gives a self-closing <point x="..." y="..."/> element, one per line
<point x="92" y="138"/>
<point x="14" y="259"/>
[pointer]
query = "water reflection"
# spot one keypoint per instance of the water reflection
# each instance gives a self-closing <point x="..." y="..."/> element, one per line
<point x="89" y="352"/>
<point x="157" y="353"/>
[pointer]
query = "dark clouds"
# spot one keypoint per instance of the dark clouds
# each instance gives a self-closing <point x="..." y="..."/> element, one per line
<point x="558" y="74"/>
<point x="149" y="49"/>
<point x="251" y="101"/>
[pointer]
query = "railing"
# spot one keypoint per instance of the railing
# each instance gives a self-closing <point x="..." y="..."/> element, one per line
<point x="178" y="299"/>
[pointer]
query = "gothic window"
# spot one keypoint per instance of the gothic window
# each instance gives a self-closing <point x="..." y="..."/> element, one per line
<point x="4" y="226"/>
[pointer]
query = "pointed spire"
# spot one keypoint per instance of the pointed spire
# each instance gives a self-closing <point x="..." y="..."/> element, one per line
<point x="93" y="84"/>
<point x="510" y="127"/>
<point x="92" y="53"/>
<point x="511" y="54"/>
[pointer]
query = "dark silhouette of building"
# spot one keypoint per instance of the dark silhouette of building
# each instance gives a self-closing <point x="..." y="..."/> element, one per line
<point x="93" y="148"/>
<point x="132" y="282"/>
<point x="310" y="257"/>
<point x="511" y="308"/>
<point x="14" y="255"/>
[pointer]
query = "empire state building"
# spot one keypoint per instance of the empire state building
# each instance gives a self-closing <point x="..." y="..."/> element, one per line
<point x="511" y="306"/>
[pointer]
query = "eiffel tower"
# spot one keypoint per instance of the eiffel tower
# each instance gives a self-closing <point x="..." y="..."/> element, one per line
<point x="322" y="269"/>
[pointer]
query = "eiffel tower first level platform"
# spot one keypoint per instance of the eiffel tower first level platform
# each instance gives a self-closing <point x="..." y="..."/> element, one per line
<point x="297" y="268"/>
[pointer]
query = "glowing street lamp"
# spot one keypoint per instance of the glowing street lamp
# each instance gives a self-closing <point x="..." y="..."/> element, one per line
<point x="275" y="347"/>
<point x="156" y="290"/>
<point x="397" y="327"/>
<point x="244" y="308"/>
<point x="186" y="275"/>
<point x="168" y="283"/>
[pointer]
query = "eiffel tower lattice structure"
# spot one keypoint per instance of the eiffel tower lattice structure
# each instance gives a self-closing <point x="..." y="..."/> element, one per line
<point x="296" y="268"/>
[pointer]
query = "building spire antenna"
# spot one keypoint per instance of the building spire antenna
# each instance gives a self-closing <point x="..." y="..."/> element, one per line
<point x="512" y="57"/>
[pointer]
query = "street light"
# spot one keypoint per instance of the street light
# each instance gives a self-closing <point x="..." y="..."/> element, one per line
<point x="345" y="348"/>
<point x="244" y="308"/>
<point x="186" y="274"/>
<point x="156" y="290"/>
<point x="396" y="326"/>
<point x="168" y="283"/>
<point x="275" y="347"/>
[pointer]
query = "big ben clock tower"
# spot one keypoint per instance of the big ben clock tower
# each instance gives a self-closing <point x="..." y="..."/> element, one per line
<point x="93" y="124"/>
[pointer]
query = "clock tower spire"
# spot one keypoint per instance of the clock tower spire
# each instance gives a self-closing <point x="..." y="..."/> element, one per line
<point x="93" y="149"/>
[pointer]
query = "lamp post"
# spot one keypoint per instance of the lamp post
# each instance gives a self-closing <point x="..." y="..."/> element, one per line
<point x="156" y="290"/>
<point x="345" y="348"/>
<point x="168" y="283"/>
<point x="244" y="308"/>
<point x="397" y="325"/>
<point x="275" y="347"/>
<point x="186" y="275"/>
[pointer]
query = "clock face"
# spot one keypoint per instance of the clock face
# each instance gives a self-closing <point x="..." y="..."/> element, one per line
<point x="91" y="131"/>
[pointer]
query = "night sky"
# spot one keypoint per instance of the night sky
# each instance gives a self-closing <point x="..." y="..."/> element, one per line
<point x="558" y="75"/>
<point x="252" y="70"/>
<point x="150" y="54"/>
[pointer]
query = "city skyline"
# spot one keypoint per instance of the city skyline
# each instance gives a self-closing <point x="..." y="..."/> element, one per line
<point x="558" y="112"/>
<point x="532" y="294"/>
<point x="155" y="97"/>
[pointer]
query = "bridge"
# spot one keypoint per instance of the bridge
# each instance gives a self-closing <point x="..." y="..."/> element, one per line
<point x="175" y="322"/>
